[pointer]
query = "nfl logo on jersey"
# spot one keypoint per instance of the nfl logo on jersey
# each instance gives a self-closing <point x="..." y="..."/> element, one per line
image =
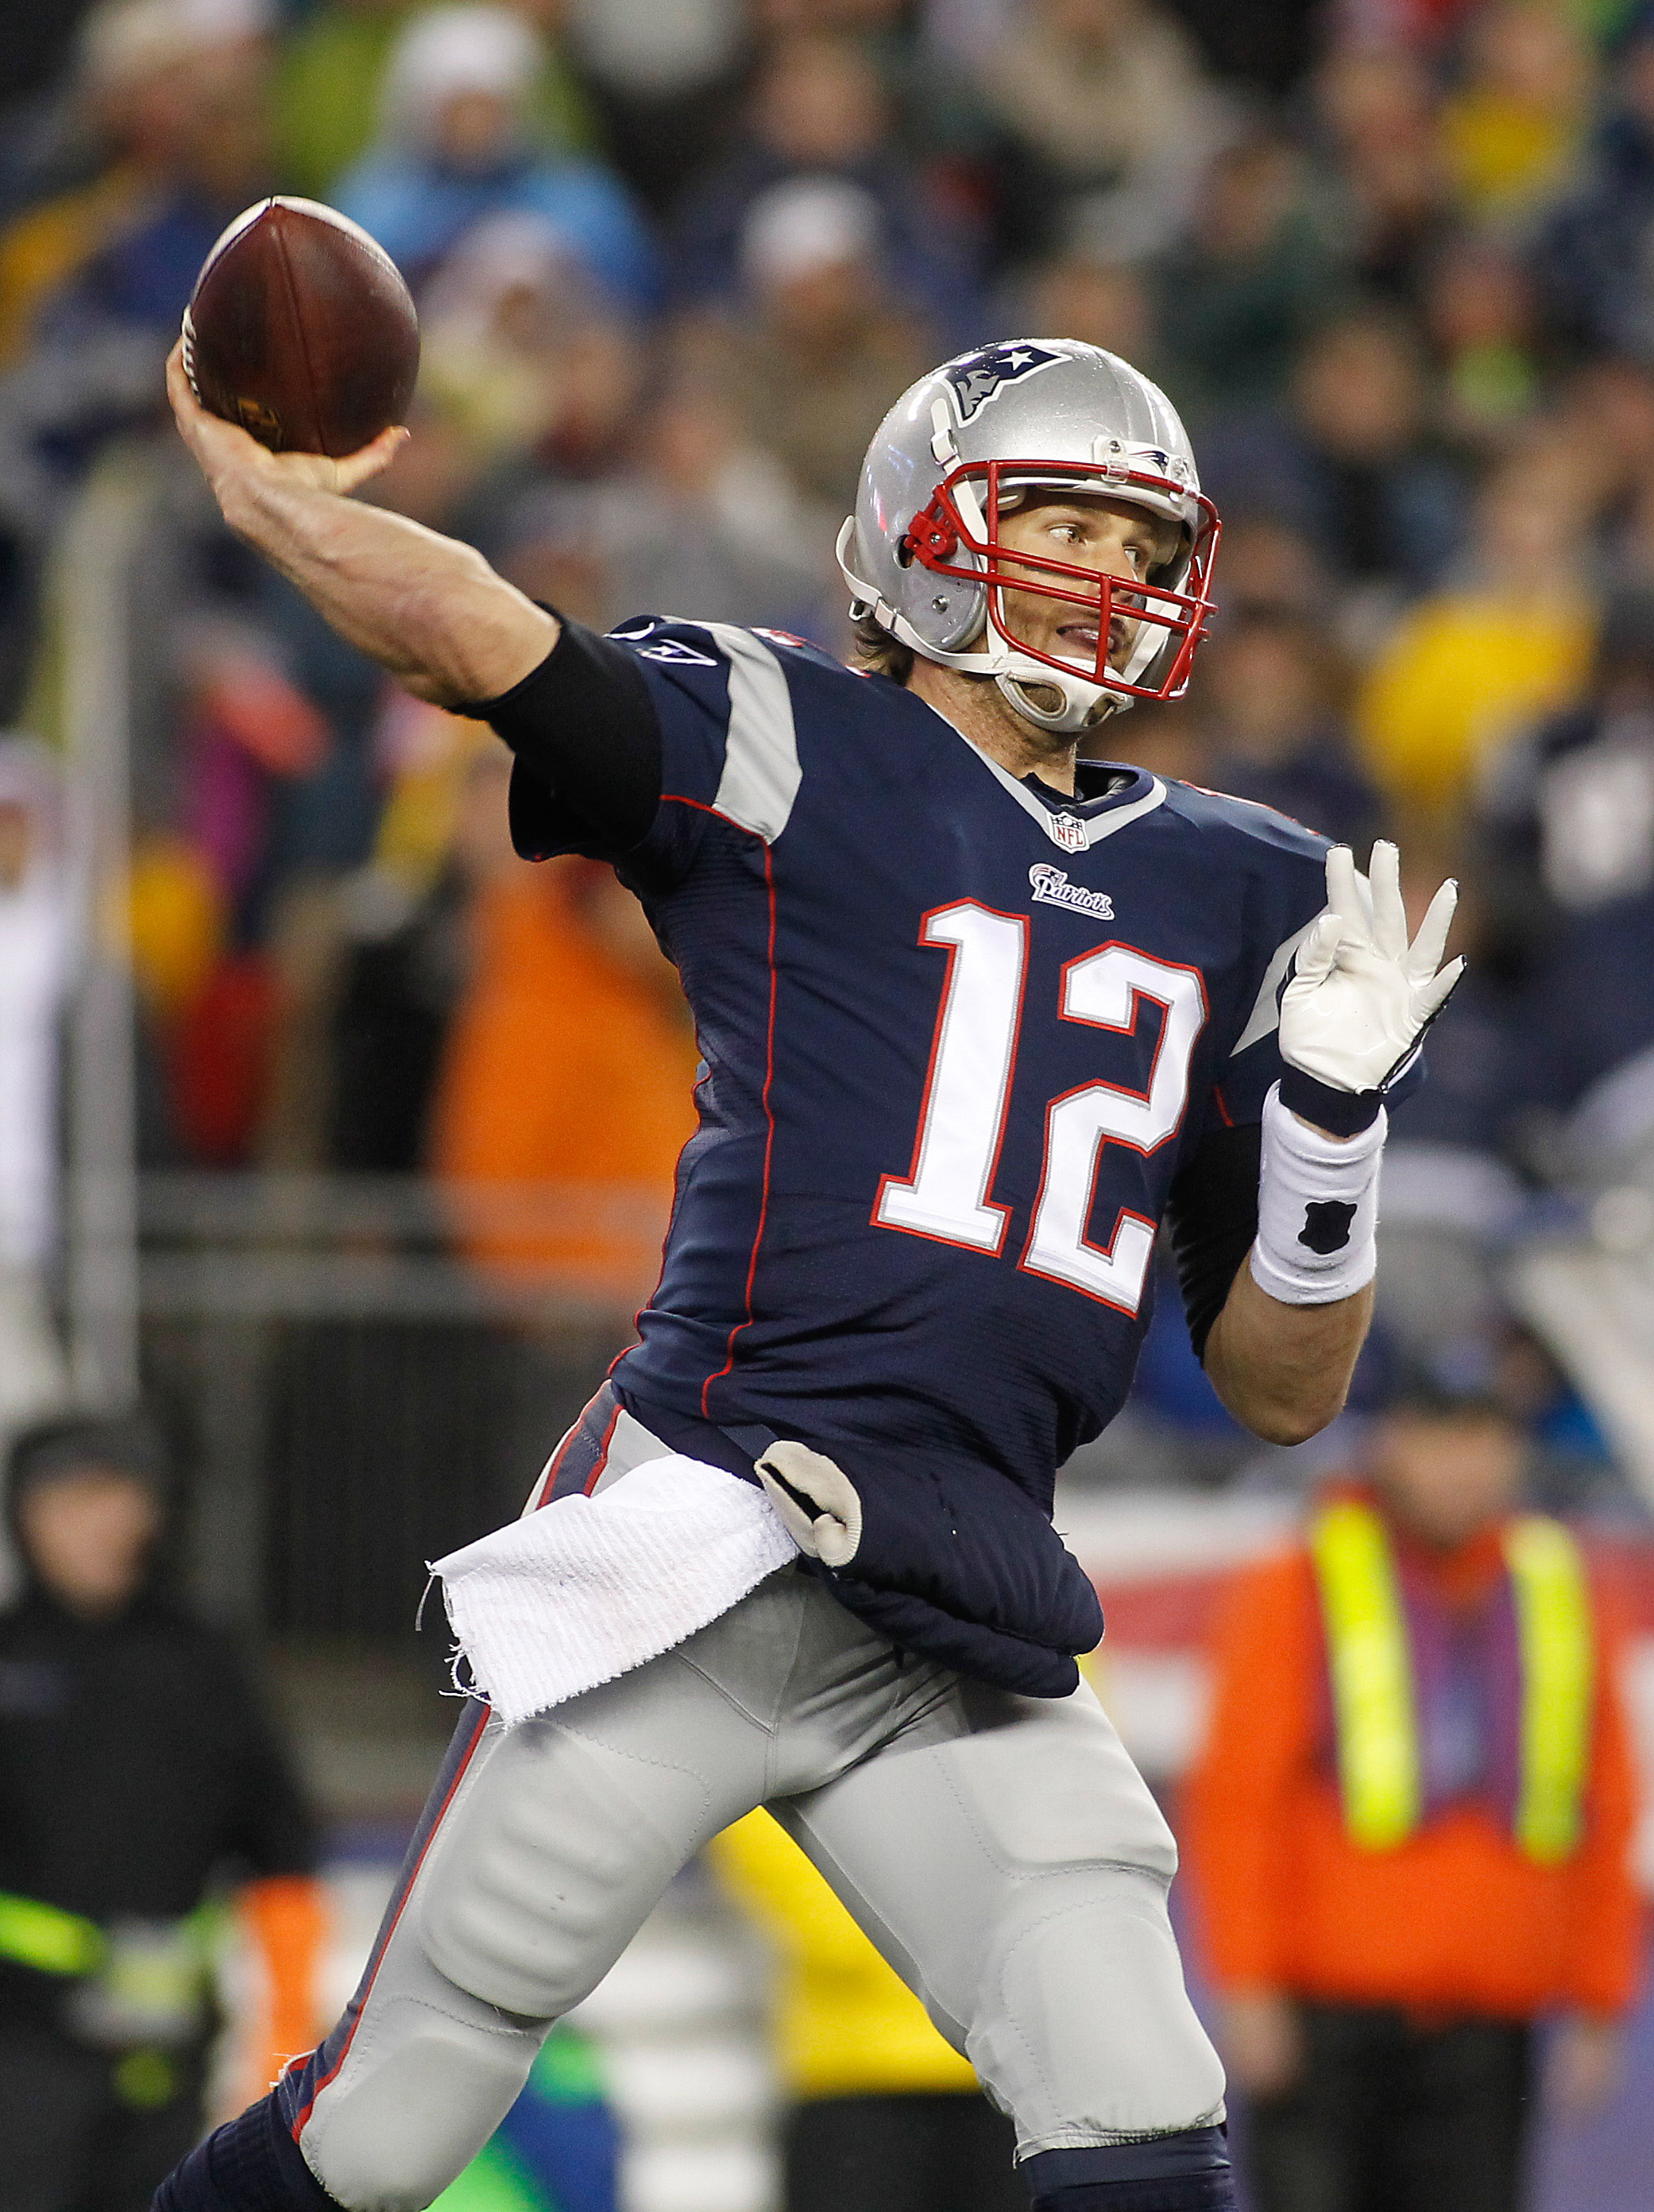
<point x="1068" y="833"/>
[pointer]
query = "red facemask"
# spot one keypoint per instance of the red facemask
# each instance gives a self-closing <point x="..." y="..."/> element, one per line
<point x="939" y="532"/>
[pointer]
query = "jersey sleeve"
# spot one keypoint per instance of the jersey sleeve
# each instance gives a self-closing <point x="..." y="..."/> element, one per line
<point x="586" y="741"/>
<point x="1212" y="1210"/>
<point x="720" y="711"/>
<point x="1255" y="1064"/>
<point x="1285" y="896"/>
<point x="1287" y="891"/>
<point x="1212" y="1218"/>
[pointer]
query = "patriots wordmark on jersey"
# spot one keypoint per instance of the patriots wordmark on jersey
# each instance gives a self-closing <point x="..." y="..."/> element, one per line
<point x="961" y="1036"/>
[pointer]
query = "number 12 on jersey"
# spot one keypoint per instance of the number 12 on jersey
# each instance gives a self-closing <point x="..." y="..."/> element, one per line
<point x="972" y="1064"/>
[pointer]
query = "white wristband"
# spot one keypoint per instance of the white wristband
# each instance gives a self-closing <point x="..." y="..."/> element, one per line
<point x="1318" y="1209"/>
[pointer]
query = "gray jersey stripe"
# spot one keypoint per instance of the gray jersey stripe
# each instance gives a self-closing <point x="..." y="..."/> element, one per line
<point x="1099" y="826"/>
<point x="1265" y="1016"/>
<point x="762" y="774"/>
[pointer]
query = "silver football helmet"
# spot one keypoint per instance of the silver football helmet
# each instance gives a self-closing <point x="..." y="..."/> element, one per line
<point x="921" y="554"/>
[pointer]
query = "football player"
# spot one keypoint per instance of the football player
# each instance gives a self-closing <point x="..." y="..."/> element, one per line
<point x="976" y="1015"/>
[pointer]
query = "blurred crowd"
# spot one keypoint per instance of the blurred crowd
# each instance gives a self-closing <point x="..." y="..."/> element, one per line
<point x="1391" y="259"/>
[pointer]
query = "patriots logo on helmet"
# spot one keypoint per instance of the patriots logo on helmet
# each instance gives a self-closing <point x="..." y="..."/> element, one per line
<point x="976" y="378"/>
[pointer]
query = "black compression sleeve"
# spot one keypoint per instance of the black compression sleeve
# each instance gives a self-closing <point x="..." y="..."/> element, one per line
<point x="583" y="726"/>
<point x="1212" y="1212"/>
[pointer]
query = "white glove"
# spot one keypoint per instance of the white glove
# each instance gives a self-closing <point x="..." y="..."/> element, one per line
<point x="1361" y="997"/>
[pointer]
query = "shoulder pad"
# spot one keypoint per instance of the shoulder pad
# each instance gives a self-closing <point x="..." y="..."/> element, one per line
<point x="671" y="641"/>
<point x="1245" y="817"/>
<point x="803" y="648"/>
<point x="666" y="639"/>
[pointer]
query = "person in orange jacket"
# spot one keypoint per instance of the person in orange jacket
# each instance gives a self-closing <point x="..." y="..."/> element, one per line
<point x="569" y="1066"/>
<point x="1409" y="1833"/>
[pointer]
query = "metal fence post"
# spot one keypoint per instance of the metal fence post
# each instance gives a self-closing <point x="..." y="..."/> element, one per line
<point x="102" y="1282"/>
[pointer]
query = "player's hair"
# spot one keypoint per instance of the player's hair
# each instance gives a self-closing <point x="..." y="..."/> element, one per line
<point x="875" y="648"/>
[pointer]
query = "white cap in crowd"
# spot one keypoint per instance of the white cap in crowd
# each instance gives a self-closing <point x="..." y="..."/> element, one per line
<point x="798" y="228"/>
<point x="124" y="40"/>
<point x="447" y="51"/>
<point x="653" y="48"/>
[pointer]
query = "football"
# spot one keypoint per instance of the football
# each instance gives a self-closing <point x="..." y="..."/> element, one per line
<point x="301" y="330"/>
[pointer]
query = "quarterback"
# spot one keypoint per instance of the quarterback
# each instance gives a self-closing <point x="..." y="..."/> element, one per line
<point x="977" y="1018"/>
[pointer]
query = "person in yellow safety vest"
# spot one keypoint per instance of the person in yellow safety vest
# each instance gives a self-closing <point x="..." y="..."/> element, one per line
<point x="1409" y="1835"/>
<point x="141" y="1795"/>
<point x="884" y="2115"/>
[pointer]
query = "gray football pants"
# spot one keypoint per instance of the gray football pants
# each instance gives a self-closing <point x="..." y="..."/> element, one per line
<point x="1002" y="1852"/>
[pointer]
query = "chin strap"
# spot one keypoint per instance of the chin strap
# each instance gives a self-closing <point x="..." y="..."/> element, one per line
<point x="1084" y="705"/>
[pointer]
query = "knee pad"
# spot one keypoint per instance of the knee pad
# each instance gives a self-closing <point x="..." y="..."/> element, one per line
<point x="412" y="2113"/>
<point x="1084" y="2029"/>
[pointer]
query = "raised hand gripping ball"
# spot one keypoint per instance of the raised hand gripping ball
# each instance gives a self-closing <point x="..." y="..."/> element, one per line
<point x="301" y="330"/>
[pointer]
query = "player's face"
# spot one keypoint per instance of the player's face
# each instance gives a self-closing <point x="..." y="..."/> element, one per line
<point x="1108" y="536"/>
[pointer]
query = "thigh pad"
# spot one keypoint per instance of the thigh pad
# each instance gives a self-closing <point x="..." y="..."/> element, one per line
<point x="552" y="1863"/>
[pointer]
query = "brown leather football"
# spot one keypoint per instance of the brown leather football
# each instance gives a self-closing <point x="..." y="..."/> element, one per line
<point x="301" y="330"/>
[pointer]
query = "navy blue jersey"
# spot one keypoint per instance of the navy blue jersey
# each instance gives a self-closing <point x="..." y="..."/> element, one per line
<point x="959" y="1035"/>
